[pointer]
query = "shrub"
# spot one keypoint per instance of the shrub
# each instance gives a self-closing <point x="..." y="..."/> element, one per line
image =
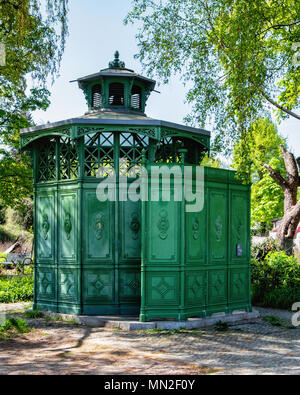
<point x="2" y="214"/>
<point x="261" y="250"/>
<point x="16" y="289"/>
<point x="34" y="314"/>
<point x="276" y="280"/>
<point x="24" y="217"/>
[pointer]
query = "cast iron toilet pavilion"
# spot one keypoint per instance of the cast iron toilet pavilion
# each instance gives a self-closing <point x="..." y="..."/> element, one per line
<point x="154" y="259"/>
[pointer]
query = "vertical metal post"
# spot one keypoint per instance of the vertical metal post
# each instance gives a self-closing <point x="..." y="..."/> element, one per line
<point x="56" y="215"/>
<point x="182" y="315"/>
<point x="80" y="214"/>
<point x="35" y="178"/>
<point x="145" y="184"/>
<point x="116" y="214"/>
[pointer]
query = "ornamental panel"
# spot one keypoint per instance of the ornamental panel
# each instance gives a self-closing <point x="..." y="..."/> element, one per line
<point x="98" y="228"/>
<point x="195" y="288"/>
<point x="217" y="231"/>
<point x="217" y="287"/>
<point x="195" y="233"/>
<point x="46" y="283"/>
<point x="164" y="229"/>
<point x="98" y="285"/>
<point x="239" y="226"/>
<point x="130" y="231"/>
<point x="45" y="228"/>
<point x="239" y="285"/>
<point x="130" y="285"/>
<point x="162" y="289"/>
<point x="68" y="285"/>
<point x="68" y="226"/>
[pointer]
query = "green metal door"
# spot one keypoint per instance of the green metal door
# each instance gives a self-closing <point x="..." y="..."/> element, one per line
<point x="162" y="254"/>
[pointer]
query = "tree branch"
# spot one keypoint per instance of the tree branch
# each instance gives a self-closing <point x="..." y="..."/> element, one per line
<point x="277" y="177"/>
<point x="280" y="26"/>
<point x="291" y="167"/>
<point x="291" y="113"/>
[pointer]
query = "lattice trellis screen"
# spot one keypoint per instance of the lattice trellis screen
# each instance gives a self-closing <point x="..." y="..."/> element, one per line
<point x="98" y="152"/>
<point x="47" y="162"/>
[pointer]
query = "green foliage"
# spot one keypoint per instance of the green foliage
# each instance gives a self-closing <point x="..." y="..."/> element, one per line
<point x="221" y="326"/>
<point x="276" y="281"/>
<point x="260" y="251"/>
<point x="12" y="327"/>
<point x="273" y="320"/>
<point x="2" y="214"/>
<point x="34" y="314"/>
<point x="261" y="145"/>
<point x="16" y="289"/>
<point x="15" y="323"/>
<point x="235" y="55"/>
<point x="24" y="216"/>
<point x="34" y="39"/>
<point x="258" y="146"/>
<point x="210" y="161"/>
<point x="267" y="199"/>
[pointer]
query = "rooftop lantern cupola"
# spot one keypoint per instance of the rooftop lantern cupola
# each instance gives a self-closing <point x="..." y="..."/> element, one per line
<point x="116" y="89"/>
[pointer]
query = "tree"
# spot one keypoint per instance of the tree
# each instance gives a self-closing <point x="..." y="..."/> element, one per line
<point x="263" y="146"/>
<point x="34" y="41"/>
<point x="237" y="56"/>
<point x="210" y="161"/>
<point x="266" y="200"/>
<point x="289" y="185"/>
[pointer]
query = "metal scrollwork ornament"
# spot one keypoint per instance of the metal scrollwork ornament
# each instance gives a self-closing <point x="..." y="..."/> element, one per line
<point x="163" y="224"/>
<point x="99" y="226"/>
<point x="45" y="226"/>
<point x="239" y="229"/>
<point x="219" y="228"/>
<point x="68" y="225"/>
<point x="135" y="226"/>
<point x="196" y="230"/>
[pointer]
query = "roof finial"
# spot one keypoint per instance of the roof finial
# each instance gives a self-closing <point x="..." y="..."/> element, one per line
<point x="117" y="64"/>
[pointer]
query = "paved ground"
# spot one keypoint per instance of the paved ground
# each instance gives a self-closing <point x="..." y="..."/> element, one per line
<point x="60" y="348"/>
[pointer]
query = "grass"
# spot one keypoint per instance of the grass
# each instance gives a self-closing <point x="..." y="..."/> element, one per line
<point x="276" y="321"/>
<point x="221" y="326"/>
<point x="33" y="314"/>
<point x="13" y="327"/>
<point x="16" y="289"/>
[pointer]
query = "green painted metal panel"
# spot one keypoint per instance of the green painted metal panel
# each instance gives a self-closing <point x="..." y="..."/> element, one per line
<point x="46" y="284"/>
<point x="98" y="228"/>
<point x="98" y="285"/>
<point x="45" y="232"/>
<point x="68" y="226"/>
<point x="217" y="226"/>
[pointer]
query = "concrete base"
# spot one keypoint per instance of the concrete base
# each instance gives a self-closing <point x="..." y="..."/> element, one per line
<point x="132" y="324"/>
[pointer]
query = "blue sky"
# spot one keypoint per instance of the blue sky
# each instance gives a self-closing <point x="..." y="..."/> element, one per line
<point x="96" y="31"/>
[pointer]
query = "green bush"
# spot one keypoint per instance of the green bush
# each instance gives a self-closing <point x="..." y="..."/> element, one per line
<point x="2" y="214"/>
<point x="261" y="250"/>
<point x="15" y="323"/>
<point x="25" y="217"/>
<point x="16" y="289"/>
<point x="276" y="281"/>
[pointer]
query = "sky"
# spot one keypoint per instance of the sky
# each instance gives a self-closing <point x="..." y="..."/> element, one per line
<point x="96" y="32"/>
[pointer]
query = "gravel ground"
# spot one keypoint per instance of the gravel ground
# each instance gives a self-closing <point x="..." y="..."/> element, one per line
<point x="60" y="348"/>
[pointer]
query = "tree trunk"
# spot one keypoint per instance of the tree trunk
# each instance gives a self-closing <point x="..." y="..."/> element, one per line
<point x="289" y="185"/>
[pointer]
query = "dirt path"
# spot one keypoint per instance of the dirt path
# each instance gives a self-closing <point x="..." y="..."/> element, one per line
<point x="60" y="348"/>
